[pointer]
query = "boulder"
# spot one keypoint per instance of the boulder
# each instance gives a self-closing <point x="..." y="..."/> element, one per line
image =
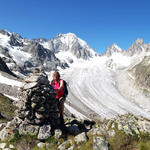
<point x="81" y="138"/>
<point x="44" y="132"/>
<point x="100" y="143"/>
<point x="65" y="145"/>
<point x="26" y="128"/>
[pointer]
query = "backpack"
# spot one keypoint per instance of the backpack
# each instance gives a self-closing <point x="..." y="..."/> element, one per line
<point x="65" y="87"/>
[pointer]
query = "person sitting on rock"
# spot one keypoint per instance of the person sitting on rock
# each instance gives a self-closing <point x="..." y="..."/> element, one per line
<point x="58" y="85"/>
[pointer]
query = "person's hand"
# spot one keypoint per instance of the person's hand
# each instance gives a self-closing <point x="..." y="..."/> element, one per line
<point x="61" y="100"/>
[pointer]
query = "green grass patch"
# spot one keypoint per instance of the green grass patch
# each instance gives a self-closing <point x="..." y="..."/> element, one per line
<point x="6" y="107"/>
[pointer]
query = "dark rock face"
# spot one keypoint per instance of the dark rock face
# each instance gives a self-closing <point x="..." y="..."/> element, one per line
<point x="4" y="68"/>
<point x="141" y="72"/>
<point x="4" y="32"/>
<point x="14" y="42"/>
<point x="41" y="56"/>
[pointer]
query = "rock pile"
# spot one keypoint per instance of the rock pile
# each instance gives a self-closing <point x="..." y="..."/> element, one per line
<point x="38" y="104"/>
<point x="37" y="112"/>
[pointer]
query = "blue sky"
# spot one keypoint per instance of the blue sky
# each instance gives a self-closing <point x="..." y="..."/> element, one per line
<point x="99" y="22"/>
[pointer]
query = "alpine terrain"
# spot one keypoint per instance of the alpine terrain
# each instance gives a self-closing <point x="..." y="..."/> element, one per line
<point x="105" y="86"/>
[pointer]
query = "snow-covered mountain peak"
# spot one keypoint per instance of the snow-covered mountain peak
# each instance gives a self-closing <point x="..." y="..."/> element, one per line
<point x="114" y="48"/>
<point x="139" y="41"/>
<point x="71" y="43"/>
<point x="137" y="47"/>
<point x="67" y="35"/>
<point x="4" y="39"/>
<point x="71" y="38"/>
<point x="5" y="32"/>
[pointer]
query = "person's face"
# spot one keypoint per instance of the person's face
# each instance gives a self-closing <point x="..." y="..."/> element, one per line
<point x="55" y="76"/>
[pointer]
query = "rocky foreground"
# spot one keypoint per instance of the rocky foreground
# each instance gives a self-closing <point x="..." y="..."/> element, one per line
<point x="122" y="133"/>
<point x="36" y="125"/>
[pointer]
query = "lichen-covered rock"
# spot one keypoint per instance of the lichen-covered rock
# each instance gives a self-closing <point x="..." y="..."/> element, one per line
<point x="57" y="133"/>
<point x="41" y="145"/>
<point x="144" y="126"/>
<point x="6" y="133"/>
<point x="65" y="145"/>
<point x="2" y="145"/>
<point x="14" y="123"/>
<point x="111" y="133"/>
<point x="81" y="138"/>
<point x="44" y="132"/>
<point x="26" y="128"/>
<point x="11" y="146"/>
<point x="2" y="125"/>
<point x="100" y="143"/>
<point x="99" y="131"/>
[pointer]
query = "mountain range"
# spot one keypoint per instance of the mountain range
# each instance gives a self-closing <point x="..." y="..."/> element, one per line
<point x="105" y="86"/>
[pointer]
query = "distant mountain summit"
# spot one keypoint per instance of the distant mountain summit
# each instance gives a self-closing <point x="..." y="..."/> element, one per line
<point x="113" y="49"/>
<point x="137" y="47"/>
<point x="70" y="42"/>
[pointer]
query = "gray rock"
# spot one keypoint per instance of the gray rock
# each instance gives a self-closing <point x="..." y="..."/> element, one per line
<point x="21" y="114"/>
<point x="58" y="133"/>
<point x="39" y="116"/>
<point x="44" y="132"/>
<point x="11" y="146"/>
<point x="39" y="78"/>
<point x="8" y="89"/>
<point x="33" y="78"/>
<point x="127" y="130"/>
<point x="65" y="145"/>
<point x="26" y="128"/>
<point x="99" y="131"/>
<point x="30" y="85"/>
<point x="81" y="138"/>
<point x="111" y="133"/>
<point x="6" y="133"/>
<point x="2" y="125"/>
<point x="41" y="145"/>
<point x="100" y="143"/>
<point x="144" y="126"/>
<point x="14" y="123"/>
<point x="2" y="145"/>
<point x="6" y="149"/>
<point x="71" y="148"/>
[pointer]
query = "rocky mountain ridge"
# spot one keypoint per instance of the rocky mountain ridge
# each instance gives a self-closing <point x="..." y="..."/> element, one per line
<point x="22" y="55"/>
